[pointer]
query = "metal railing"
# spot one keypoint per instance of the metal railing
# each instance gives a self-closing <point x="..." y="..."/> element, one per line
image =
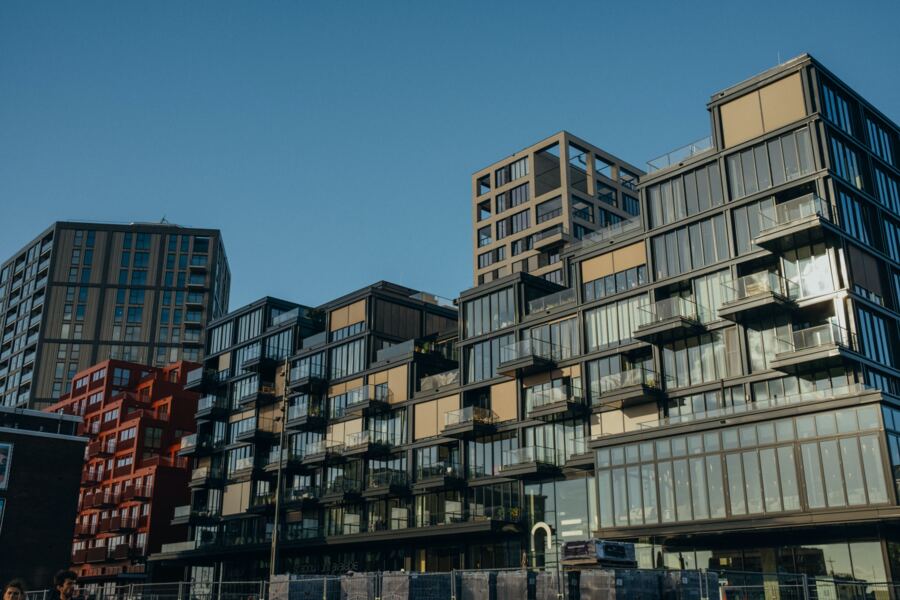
<point x="531" y="455"/>
<point x="470" y="414"/>
<point x="763" y="282"/>
<point x="439" y="380"/>
<point x="629" y="378"/>
<point x="813" y="337"/>
<point x="671" y="308"/>
<point x="607" y="234"/>
<point x="443" y="468"/>
<point x="531" y="348"/>
<point x="793" y="210"/>
<point x="673" y="157"/>
<point x="551" y="301"/>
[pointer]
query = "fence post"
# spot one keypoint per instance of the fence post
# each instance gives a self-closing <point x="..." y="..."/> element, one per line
<point x="805" y="581"/>
<point x="452" y="584"/>
<point x="180" y="590"/>
<point x="262" y="589"/>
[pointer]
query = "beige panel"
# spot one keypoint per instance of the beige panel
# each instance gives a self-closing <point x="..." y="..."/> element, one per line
<point x="225" y="361"/>
<point x="537" y="378"/>
<point x="203" y="461"/>
<point x="340" y="388"/>
<point x="504" y="401"/>
<point x="445" y="405"/>
<point x="398" y="383"/>
<point x="356" y="312"/>
<point x="611" y="422"/>
<point x="741" y="119"/>
<point x="380" y="377"/>
<point x="426" y="420"/>
<point x="635" y="415"/>
<point x="596" y="427"/>
<point x="629" y="256"/>
<point x="336" y="432"/>
<point x="351" y="427"/>
<point x="573" y="371"/>
<point x="782" y="102"/>
<point x="233" y="418"/>
<point x="236" y="498"/>
<point x="280" y="381"/>
<point x="597" y="267"/>
<point x="338" y="319"/>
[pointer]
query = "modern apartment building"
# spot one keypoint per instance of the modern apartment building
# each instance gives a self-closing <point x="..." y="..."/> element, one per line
<point x="134" y="417"/>
<point x="343" y="448"/>
<point x="526" y="207"/>
<point x="81" y="293"/>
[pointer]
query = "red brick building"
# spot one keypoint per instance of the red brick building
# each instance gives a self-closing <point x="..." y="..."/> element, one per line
<point x="134" y="417"/>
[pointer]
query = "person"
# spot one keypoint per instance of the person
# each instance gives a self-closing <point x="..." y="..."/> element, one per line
<point x="14" y="590"/>
<point x="66" y="582"/>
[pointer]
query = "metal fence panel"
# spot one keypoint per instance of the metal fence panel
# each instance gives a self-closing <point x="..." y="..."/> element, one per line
<point x="476" y="585"/>
<point x="512" y="584"/>
<point x="359" y="586"/>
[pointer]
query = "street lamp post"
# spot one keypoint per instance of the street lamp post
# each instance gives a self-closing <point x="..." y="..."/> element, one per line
<point x="273" y="558"/>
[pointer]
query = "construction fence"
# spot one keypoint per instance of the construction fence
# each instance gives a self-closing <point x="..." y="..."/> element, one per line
<point x="513" y="584"/>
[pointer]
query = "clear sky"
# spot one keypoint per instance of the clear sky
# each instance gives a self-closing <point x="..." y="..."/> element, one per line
<point x="333" y="142"/>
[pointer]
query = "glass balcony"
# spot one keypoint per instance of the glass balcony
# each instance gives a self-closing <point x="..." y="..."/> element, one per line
<point x="630" y="387"/>
<point x="557" y="402"/>
<point x="439" y="475"/>
<point x="679" y="155"/>
<point x="321" y="451"/>
<point x="610" y="234"/>
<point x="367" y="397"/>
<point x="386" y="481"/>
<point x="669" y="318"/>
<point x="439" y="380"/>
<point x="305" y="493"/>
<point x="308" y="374"/>
<point x="305" y="413"/>
<point x="808" y="215"/>
<point x="530" y="461"/>
<point x="212" y="404"/>
<point x="529" y="356"/>
<point x="188" y="443"/>
<point x="816" y="347"/>
<point x="551" y="301"/>
<point x="756" y="295"/>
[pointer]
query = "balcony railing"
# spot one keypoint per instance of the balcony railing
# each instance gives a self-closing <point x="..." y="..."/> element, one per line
<point x="444" y="468"/>
<point x="678" y="155"/>
<point x="207" y="473"/>
<point x="630" y="378"/>
<point x="532" y="455"/>
<point x="212" y="402"/>
<point x="671" y="308"/>
<point x="323" y="447"/>
<point x="551" y="301"/>
<point x="610" y="233"/>
<point x="800" y="208"/>
<point x="470" y="414"/>
<point x="821" y="335"/>
<point x="308" y="370"/>
<point x="524" y="349"/>
<point x="360" y="438"/>
<point x="553" y="395"/>
<point x="387" y="478"/>
<point x="433" y="382"/>
<point x="306" y="492"/>
<point x="305" y="407"/>
<point x="189" y="442"/>
<point x="764" y="282"/>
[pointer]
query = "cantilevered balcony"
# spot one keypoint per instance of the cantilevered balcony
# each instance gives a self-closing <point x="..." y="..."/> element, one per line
<point x="207" y="476"/>
<point x="559" y="402"/>
<point x="386" y="482"/>
<point x="799" y="222"/>
<point x="323" y="452"/>
<point x="206" y="380"/>
<point x="814" y="348"/>
<point x="369" y="444"/>
<point x="212" y="407"/>
<point x="628" y="388"/>
<point x="302" y="496"/>
<point x="669" y="319"/>
<point x="469" y="422"/>
<point x="439" y="475"/>
<point x="309" y="376"/>
<point x="259" y="360"/>
<point x="531" y="461"/>
<point x="439" y="381"/>
<point x="289" y="460"/>
<point x="342" y="489"/>
<point x="758" y="295"/>
<point x="253" y="429"/>
<point x="305" y="414"/>
<point x="264" y="395"/>
<point x="367" y="399"/>
<point x="529" y="356"/>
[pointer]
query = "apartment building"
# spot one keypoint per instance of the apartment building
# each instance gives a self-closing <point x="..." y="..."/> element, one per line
<point x="81" y="293"/>
<point x="134" y="417"/>
<point x="37" y="511"/>
<point x="526" y="207"/>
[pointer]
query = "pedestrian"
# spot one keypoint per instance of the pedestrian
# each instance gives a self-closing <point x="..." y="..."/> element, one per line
<point x="14" y="590"/>
<point x="66" y="582"/>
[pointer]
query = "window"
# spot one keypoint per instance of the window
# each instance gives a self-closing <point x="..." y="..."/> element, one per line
<point x="874" y="337"/>
<point x="697" y="245"/>
<point x="513" y="224"/>
<point x="482" y="359"/>
<point x="846" y="163"/>
<point x="700" y="359"/>
<point x="483" y="184"/>
<point x="249" y="325"/>
<point x="748" y="222"/>
<point x="685" y="195"/>
<point x="511" y="172"/>
<point x="514" y="197"/>
<point x="562" y="338"/>
<point x="220" y="338"/>
<point x="879" y="140"/>
<point x="769" y="164"/>
<point x="484" y="236"/>
<point x="347" y="359"/>
<point x="490" y="313"/>
<point x="854" y="217"/>
<point x="614" y="324"/>
<point x="767" y="338"/>
<point x="615" y="283"/>
<point x="121" y="377"/>
<point x="837" y="109"/>
<point x="549" y="209"/>
<point x="809" y="268"/>
<point x="886" y="189"/>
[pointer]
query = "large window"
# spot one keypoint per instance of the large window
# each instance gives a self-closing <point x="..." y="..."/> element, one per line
<point x="615" y="283"/>
<point x="485" y="455"/>
<point x="762" y="466"/>
<point x="874" y="337"/>
<point x="710" y="292"/>
<point x="886" y="188"/>
<point x="765" y="339"/>
<point x="482" y="358"/>
<point x="514" y="197"/>
<point x="562" y="337"/>
<point x="770" y="164"/>
<point x="846" y="163"/>
<point x="511" y="172"/>
<point x="854" y="217"/>
<point x="701" y="359"/>
<point x="692" y="247"/>
<point x="490" y="313"/>
<point x="348" y="359"/>
<point x="880" y="140"/>
<point x="748" y="222"/>
<point x="809" y="268"/>
<point x="614" y="324"/>
<point x="249" y="325"/>
<point x="685" y="195"/>
<point x="837" y="109"/>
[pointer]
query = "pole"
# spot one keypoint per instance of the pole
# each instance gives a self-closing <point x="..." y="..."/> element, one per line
<point x="273" y="558"/>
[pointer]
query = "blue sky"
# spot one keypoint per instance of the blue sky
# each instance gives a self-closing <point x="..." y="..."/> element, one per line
<point x="341" y="136"/>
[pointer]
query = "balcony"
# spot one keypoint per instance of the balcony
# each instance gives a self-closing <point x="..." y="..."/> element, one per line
<point x="262" y="503"/>
<point x="387" y="482"/>
<point x="436" y="383"/>
<point x="559" y="402"/>
<point x="137" y="492"/>
<point x="244" y="469"/>
<point x="609" y="235"/>
<point x="439" y="475"/>
<point x="122" y="524"/>
<point x="469" y="422"/>
<point x="199" y="263"/>
<point x="263" y="396"/>
<point x="196" y="281"/>
<point x="550" y="237"/>
<point x="284" y="459"/>
<point x="367" y="399"/>
<point x="91" y="477"/>
<point x="101" y="449"/>
<point x="302" y="496"/>
<point x="95" y="555"/>
<point x="815" y="348"/>
<point x="79" y="557"/>
<point x="86" y="530"/>
<point x="195" y="300"/>
<point x="198" y="444"/>
<point x="125" y="551"/>
<point x="629" y="388"/>
<point x="253" y="430"/>
<point x="531" y="461"/>
<point x="679" y="155"/>
<point x="669" y="319"/>
<point x="528" y="356"/>
<point x="758" y="295"/>
<point x="260" y="362"/>
<point x="212" y="407"/>
<point x="189" y="444"/>
<point x="342" y="489"/>
<point x="206" y="380"/>
<point x="309" y="377"/>
<point x="545" y="304"/>
<point x="368" y="444"/>
<point x="799" y="222"/>
<point x="322" y="452"/>
<point x="106" y="499"/>
<point x="207" y="476"/>
<point x="305" y="414"/>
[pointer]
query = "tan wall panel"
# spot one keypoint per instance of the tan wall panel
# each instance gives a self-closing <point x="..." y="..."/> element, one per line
<point x="380" y="377"/>
<point x="741" y="119"/>
<point x="225" y="361"/>
<point x="350" y="427"/>
<point x="240" y="416"/>
<point x="280" y="381"/>
<point x="504" y="401"/>
<point x="597" y="267"/>
<point x="596" y="427"/>
<point x="611" y="422"/>
<point x="635" y="415"/>
<point x="236" y="498"/>
<point x="629" y="256"/>
<point x="445" y="405"/>
<point x="335" y="432"/>
<point x="398" y="383"/>
<point x="426" y="420"/>
<point x="340" y="388"/>
<point x="356" y="312"/>
<point x="338" y="319"/>
<point x="782" y="102"/>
